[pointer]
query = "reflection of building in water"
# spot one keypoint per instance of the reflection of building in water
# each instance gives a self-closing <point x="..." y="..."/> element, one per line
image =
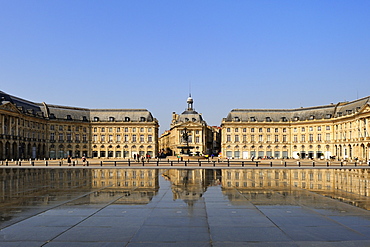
<point x="135" y="186"/>
<point x="18" y="184"/>
<point x="190" y="184"/>
<point x="345" y="184"/>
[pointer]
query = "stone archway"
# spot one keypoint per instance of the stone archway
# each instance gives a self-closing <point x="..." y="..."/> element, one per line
<point x="1" y="150"/>
<point x="29" y="150"/>
<point x="362" y="151"/>
<point x="14" y="150"/>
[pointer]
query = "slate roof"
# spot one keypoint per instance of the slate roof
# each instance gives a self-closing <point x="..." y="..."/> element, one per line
<point x="49" y="111"/>
<point x="190" y="115"/>
<point x="299" y="114"/>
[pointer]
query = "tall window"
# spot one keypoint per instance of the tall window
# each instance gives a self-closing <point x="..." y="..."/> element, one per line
<point x="133" y="138"/>
<point x="52" y="137"/>
<point x="276" y="138"/>
<point x="102" y="138"/>
<point x="126" y="138"/>
<point x="141" y="138"/>
<point x="319" y="137"/>
<point x="118" y="138"/>
<point x="310" y="137"/>
<point x="150" y="138"/>
<point x="228" y="138"/>
<point x="303" y="138"/>
<point x="236" y="138"/>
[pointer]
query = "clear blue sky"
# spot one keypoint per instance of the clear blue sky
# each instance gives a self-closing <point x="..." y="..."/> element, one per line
<point x="145" y="54"/>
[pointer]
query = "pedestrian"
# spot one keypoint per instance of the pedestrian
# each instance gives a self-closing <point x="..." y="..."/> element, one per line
<point x="83" y="160"/>
<point x="69" y="160"/>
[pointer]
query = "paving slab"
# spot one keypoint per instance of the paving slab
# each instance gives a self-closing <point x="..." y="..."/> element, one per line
<point x="178" y="214"/>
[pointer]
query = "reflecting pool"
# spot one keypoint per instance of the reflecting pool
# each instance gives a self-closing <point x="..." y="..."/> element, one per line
<point x="201" y="207"/>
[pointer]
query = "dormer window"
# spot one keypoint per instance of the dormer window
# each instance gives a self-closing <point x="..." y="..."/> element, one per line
<point x="186" y="119"/>
<point x="340" y="114"/>
<point x="349" y="111"/>
<point x="69" y="117"/>
<point x="127" y="119"/>
<point x="284" y="119"/>
<point x="193" y="119"/>
<point x="111" y="119"/>
<point x="312" y="117"/>
<point x="268" y="119"/>
<point x="253" y="119"/>
<point x="96" y="119"/>
<point x="296" y="118"/>
<point x="84" y="118"/>
<point x="236" y="119"/>
<point x="142" y="119"/>
<point x="52" y="116"/>
<point x="328" y="116"/>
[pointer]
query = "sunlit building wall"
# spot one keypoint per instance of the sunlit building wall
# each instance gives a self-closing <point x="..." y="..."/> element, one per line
<point x="337" y="130"/>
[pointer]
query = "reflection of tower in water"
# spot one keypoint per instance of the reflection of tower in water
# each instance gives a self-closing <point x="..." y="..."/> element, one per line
<point x="190" y="184"/>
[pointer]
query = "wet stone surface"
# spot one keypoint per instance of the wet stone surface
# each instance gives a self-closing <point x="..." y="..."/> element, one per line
<point x="176" y="207"/>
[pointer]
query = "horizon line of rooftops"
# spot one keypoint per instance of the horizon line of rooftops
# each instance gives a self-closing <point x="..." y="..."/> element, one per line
<point x="51" y="111"/>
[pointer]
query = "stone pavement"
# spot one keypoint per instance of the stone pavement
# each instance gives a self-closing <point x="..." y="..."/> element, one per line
<point x="79" y="216"/>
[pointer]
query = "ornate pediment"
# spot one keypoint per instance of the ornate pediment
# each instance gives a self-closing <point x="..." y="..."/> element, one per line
<point x="9" y="107"/>
<point x="189" y="125"/>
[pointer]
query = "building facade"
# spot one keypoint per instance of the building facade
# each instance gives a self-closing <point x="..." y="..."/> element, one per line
<point x="337" y="130"/>
<point x="40" y="130"/>
<point x="201" y="139"/>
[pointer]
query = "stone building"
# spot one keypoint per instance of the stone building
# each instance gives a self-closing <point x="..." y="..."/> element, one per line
<point x="337" y="130"/>
<point x="40" y="130"/>
<point x="201" y="138"/>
